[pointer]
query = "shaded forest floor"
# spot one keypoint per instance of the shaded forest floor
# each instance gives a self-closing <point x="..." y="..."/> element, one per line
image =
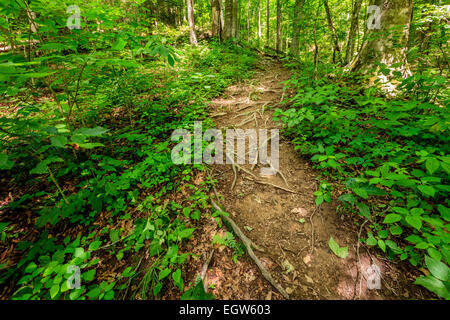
<point x="293" y="232"/>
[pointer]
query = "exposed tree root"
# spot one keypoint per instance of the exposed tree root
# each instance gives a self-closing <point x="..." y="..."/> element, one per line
<point x="248" y="244"/>
<point x="205" y="269"/>
<point x="271" y="184"/>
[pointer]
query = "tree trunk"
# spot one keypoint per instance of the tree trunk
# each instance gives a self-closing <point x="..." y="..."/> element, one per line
<point x="296" y="26"/>
<point x="388" y="44"/>
<point x="235" y="20"/>
<point x="259" y="22"/>
<point x="337" y="48"/>
<point x="216" y="22"/>
<point x="192" y="34"/>
<point x="268" y="24"/>
<point x="228" y="27"/>
<point x="278" y="46"/>
<point x="352" y="32"/>
<point x="238" y="20"/>
<point x="249" y="14"/>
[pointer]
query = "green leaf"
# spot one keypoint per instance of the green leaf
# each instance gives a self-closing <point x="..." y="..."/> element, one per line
<point x="114" y="235"/>
<point x="446" y="167"/>
<point x="178" y="281"/>
<point x="119" y="45"/>
<point x="382" y="245"/>
<point x="435" y="254"/>
<point x="341" y="252"/>
<point x="432" y="164"/>
<point x="94" y="245"/>
<point x="94" y="293"/>
<point x="5" y="164"/>
<point x="434" y="285"/>
<point x="391" y="218"/>
<point x="414" y="221"/>
<point x="31" y="267"/>
<point x="89" y="275"/>
<point x="164" y="273"/>
<point x="186" y="233"/>
<point x="197" y="292"/>
<point x="54" y="290"/>
<point x="396" y="230"/>
<point x="363" y="209"/>
<point x="444" y="211"/>
<point x="59" y="141"/>
<point x="437" y="268"/>
<point x="427" y="190"/>
<point x="361" y="192"/>
<point x="371" y="241"/>
<point x="91" y="132"/>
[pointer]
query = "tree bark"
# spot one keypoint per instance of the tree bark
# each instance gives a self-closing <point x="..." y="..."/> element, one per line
<point x="298" y="7"/>
<point x="279" y="17"/>
<point x="259" y="22"/>
<point x="216" y="21"/>
<point x="337" y="48"/>
<point x="235" y="20"/>
<point x="352" y="32"/>
<point x="228" y="27"/>
<point x="192" y="34"/>
<point x="268" y="24"/>
<point x="387" y="45"/>
<point x="249" y="14"/>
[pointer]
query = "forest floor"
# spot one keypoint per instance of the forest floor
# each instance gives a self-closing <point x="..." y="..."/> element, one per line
<point x="293" y="232"/>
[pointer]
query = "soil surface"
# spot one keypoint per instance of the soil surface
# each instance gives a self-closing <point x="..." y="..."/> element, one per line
<point x="279" y="214"/>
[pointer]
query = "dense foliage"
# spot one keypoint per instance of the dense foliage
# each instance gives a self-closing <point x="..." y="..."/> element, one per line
<point x="87" y="112"/>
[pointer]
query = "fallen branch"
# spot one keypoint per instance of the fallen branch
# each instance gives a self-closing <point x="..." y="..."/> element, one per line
<point x="248" y="244"/>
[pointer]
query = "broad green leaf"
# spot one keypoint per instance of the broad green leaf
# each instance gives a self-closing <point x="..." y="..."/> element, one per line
<point x="94" y="245"/>
<point x="178" y="281"/>
<point x="186" y="233"/>
<point x="414" y="221"/>
<point x="432" y="165"/>
<point x="89" y="275"/>
<point x="444" y="211"/>
<point x="59" y="141"/>
<point x="54" y="290"/>
<point x="382" y="245"/>
<point x="434" y="285"/>
<point x="391" y="218"/>
<point x="363" y="209"/>
<point x="341" y="252"/>
<point x="427" y="190"/>
<point x="164" y="273"/>
<point x="437" y="268"/>
<point x="5" y="164"/>
<point x="361" y="192"/>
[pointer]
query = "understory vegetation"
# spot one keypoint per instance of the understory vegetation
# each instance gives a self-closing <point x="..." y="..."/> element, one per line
<point x="86" y="144"/>
<point x="86" y="117"/>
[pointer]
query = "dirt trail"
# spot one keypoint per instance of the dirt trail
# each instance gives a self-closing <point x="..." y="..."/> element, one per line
<point x="270" y="217"/>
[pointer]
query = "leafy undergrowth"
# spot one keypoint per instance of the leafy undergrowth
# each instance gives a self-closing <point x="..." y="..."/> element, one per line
<point x="388" y="161"/>
<point x="86" y="163"/>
